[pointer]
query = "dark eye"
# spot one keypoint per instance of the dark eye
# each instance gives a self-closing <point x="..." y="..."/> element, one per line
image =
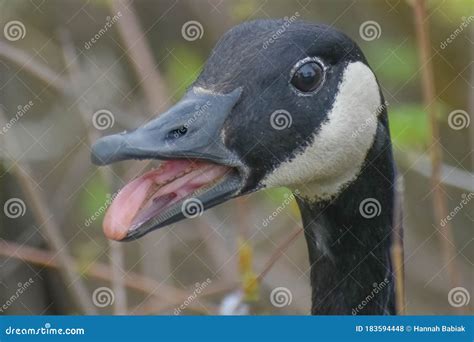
<point x="177" y="133"/>
<point x="308" y="77"/>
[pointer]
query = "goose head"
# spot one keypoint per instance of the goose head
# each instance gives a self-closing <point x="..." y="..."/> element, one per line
<point x="299" y="111"/>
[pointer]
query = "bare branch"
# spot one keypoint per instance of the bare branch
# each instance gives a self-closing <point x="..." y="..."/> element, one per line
<point x="429" y="98"/>
<point x="168" y="295"/>
<point x="282" y="247"/>
<point x="52" y="232"/>
<point x="26" y="62"/>
<point x="450" y="175"/>
<point x="141" y="56"/>
<point x="116" y="250"/>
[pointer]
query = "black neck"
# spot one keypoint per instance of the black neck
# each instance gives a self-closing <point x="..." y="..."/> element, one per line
<point x="351" y="271"/>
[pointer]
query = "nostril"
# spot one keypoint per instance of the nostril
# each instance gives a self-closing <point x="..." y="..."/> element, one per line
<point x="177" y="132"/>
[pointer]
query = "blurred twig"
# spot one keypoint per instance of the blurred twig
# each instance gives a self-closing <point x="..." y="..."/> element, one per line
<point x="216" y="246"/>
<point x="52" y="232"/>
<point x="26" y="62"/>
<point x="141" y="56"/>
<point x="450" y="175"/>
<point x="100" y="271"/>
<point x="471" y="95"/>
<point x="227" y="287"/>
<point x="397" y="252"/>
<point x="282" y="247"/>
<point x="154" y="87"/>
<point x="116" y="250"/>
<point x="429" y="98"/>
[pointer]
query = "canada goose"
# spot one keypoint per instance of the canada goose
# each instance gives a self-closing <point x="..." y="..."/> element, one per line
<point x="302" y="111"/>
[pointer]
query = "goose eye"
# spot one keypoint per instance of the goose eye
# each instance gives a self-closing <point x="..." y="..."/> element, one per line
<point x="177" y="133"/>
<point x="308" y="77"/>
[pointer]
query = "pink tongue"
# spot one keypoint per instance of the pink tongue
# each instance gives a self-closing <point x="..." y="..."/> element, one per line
<point x="128" y="210"/>
<point x="128" y="201"/>
<point x="157" y="204"/>
<point x="123" y="208"/>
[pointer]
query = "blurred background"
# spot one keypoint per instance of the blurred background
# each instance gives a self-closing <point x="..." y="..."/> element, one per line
<point x="72" y="71"/>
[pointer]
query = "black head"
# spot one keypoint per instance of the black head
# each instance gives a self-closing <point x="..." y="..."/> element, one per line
<point x="279" y="103"/>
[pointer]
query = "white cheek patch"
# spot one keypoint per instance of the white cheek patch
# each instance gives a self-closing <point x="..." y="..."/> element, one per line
<point x="337" y="153"/>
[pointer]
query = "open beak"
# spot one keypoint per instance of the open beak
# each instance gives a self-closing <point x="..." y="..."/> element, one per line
<point x="198" y="171"/>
